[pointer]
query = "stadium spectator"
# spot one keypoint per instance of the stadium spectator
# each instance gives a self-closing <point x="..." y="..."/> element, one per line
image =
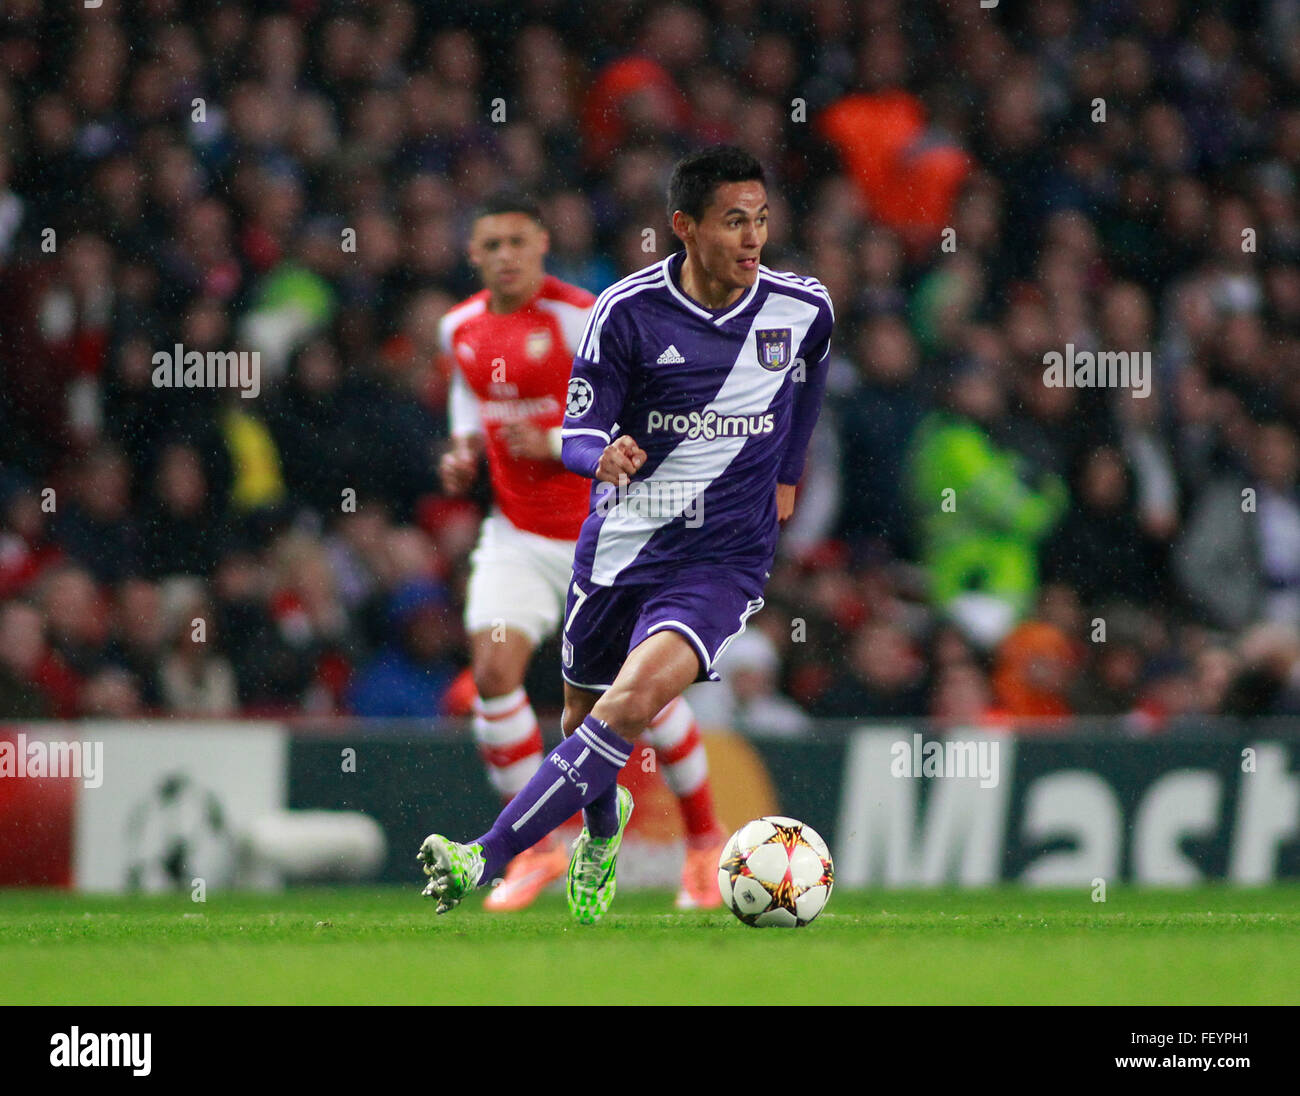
<point x="962" y="700"/>
<point x="747" y="699"/>
<point x="96" y="526"/>
<point x="1267" y="681"/>
<point x="1240" y="557"/>
<point x="182" y="528"/>
<point x="979" y="515"/>
<point x="77" y="618"/>
<point x="111" y="694"/>
<point x="194" y="680"/>
<point x="879" y="414"/>
<point x="409" y="678"/>
<point x="1100" y="550"/>
<point x="1035" y="671"/>
<point x="33" y="665"/>
<point x="26" y="548"/>
<point x="139" y="638"/>
<point x="308" y="417"/>
<point x="884" y="677"/>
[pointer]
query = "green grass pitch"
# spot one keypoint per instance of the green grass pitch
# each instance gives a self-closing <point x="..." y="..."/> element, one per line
<point x="385" y="946"/>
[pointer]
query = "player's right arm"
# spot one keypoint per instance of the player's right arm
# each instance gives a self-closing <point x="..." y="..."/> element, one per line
<point x="459" y="465"/>
<point x="598" y="386"/>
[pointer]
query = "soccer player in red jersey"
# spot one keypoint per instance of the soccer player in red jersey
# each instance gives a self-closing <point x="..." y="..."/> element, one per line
<point x="512" y="345"/>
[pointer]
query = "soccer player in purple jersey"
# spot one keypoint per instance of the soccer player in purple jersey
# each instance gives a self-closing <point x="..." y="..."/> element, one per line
<point x="694" y="393"/>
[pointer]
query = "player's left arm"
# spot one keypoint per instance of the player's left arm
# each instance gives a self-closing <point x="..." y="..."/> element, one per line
<point x="529" y="441"/>
<point x="809" y="380"/>
<point x="598" y="385"/>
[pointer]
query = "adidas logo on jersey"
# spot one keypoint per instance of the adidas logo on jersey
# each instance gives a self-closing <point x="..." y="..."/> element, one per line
<point x="671" y="356"/>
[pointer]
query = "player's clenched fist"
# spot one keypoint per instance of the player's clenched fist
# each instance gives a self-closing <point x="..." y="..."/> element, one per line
<point x="622" y="457"/>
<point x="785" y="493"/>
<point x="458" y="468"/>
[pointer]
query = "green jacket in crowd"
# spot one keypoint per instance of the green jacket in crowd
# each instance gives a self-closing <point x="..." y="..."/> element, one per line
<point x="982" y="536"/>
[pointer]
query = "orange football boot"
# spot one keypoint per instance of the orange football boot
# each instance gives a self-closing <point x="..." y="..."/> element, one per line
<point x="699" y="890"/>
<point x="528" y="874"/>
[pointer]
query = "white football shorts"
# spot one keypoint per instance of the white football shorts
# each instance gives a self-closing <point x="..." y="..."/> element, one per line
<point x="517" y="579"/>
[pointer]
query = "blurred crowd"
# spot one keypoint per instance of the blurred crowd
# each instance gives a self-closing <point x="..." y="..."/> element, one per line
<point x="976" y="188"/>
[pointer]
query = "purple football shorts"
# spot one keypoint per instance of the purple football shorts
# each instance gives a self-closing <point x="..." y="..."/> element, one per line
<point x="602" y="624"/>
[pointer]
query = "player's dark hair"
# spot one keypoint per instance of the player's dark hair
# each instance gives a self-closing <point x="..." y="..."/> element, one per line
<point x="697" y="176"/>
<point x="508" y="201"/>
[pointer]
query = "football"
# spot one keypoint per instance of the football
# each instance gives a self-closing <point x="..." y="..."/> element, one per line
<point x="776" y="872"/>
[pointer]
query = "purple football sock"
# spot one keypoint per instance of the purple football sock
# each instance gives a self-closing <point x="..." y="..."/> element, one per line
<point x="601" y="814"/>
<point x="579" y="770"/>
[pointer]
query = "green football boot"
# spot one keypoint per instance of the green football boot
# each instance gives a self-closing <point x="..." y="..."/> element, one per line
<point x="453" y="869"/>
<point x="594" y="865"/>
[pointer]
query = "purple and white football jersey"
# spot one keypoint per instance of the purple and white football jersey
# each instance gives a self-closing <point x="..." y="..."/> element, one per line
<point x="723" y="403"/>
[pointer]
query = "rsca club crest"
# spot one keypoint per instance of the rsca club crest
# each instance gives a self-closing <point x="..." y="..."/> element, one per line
<point x="581" y="397"/>
<point x="773" y="348"/>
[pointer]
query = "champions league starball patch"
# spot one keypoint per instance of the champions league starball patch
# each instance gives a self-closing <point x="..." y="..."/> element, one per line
<point x="773" y="348"/>
<point x="581" y="397"/>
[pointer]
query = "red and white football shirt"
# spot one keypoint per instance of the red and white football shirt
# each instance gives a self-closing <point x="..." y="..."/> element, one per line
<point x="512" y="367"/>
